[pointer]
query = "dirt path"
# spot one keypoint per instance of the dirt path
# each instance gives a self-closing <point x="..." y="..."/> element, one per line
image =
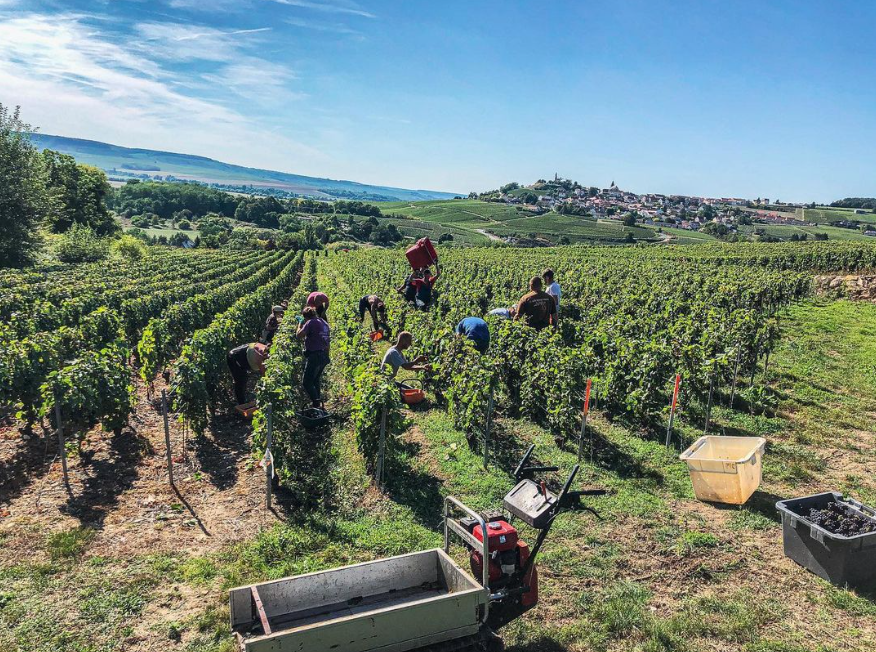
<point x="119" y="488"/>
<point x="495" y="238"/>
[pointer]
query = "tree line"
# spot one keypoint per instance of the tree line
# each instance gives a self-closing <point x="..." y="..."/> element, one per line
<point x="45" y="192"/>
<point x="856" y="202"/>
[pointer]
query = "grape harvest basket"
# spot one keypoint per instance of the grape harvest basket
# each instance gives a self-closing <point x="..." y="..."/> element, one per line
<point x="829" y="536"/>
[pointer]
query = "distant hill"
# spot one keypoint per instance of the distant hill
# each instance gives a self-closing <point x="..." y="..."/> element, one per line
<point x="122" y="162"/>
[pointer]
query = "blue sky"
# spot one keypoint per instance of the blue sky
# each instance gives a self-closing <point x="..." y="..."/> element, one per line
<point x="737" y="98"/>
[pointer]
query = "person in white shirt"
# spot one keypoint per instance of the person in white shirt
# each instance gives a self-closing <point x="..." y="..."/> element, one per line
<point x="395" y="359"/>
<point x="552" y="287"/>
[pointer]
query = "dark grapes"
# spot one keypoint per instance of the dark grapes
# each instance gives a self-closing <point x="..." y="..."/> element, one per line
<point x="839" y="519"/>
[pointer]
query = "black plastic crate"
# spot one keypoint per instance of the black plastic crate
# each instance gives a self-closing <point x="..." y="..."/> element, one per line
<point x="838" y="559"/>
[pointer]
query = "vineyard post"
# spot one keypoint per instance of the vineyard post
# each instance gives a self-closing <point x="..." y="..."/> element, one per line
<point x="735" y="375"/>
<point x="672" y="409"/>
<point x="62" y="448"/>
<point x="167" y="436"/>
<point x="269" y="457"/>
<point x="753" y="369"/>
<point x="584" y="423"/>
<point x="487" y="428"/>
<point x="709" y="404"/>
<point x="381" y="451"/>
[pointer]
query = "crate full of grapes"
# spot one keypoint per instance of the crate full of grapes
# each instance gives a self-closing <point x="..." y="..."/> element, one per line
<point x="832" y="536"/>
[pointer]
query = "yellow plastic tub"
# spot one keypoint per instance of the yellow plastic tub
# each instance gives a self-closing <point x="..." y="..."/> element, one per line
<point x="725" y="469"/>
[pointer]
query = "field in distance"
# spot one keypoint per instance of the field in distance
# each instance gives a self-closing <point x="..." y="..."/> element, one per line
<point x="471" y="221"/>
<point x="477" y="222"/>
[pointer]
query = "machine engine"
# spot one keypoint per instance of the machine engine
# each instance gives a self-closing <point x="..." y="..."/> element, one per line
<point x="508" y="557"/>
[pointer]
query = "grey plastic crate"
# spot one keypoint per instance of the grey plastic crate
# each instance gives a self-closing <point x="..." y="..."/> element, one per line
<point x="838" y="559"/>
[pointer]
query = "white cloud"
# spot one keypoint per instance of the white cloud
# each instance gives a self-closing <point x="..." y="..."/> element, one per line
<point x="337" y="7"/>
<point x="186" y="42"/>
<point x="256" y="79"/>
<point x="72" y="80"/>
<point x="335" y="28"/>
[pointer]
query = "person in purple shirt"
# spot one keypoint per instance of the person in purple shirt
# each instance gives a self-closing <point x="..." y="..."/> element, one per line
<point x="315" y="333"/>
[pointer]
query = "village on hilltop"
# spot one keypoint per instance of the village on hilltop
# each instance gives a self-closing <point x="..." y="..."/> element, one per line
<point x="717" y="216"/>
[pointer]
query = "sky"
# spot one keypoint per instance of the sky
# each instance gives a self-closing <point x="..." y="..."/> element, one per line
<point x="744" y="99"/>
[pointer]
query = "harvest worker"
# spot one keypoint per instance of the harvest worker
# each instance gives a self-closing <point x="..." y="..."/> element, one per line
<point x="315" y="332"/>
<point x="424" y="287"/>
<point x="319" y="301"/>
<point x="537" y="308"/>
<point x="504" y="313"/>
<point x="475" y="329"/>
<point x="395" y="358"/>
<point x="272" y="324"/>
<point x="374" y="306"/>
<point x="408" y="289"/>
<point x="243" y="360"/>
<point x="552" y="287"/>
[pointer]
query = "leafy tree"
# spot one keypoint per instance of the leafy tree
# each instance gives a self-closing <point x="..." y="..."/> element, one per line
<point x="445" y="237"/>
<point x="80" y="244"/>
<point x="77" y="194"/>
<point x="129" y="246"/>
<point x="166" y="199"/>
<point x="178" y="239"/>
<point x="184" y="225"/>
<point x="23" y="200"/>
<point x="262" y="211"/>
<point x="629" y="220"/>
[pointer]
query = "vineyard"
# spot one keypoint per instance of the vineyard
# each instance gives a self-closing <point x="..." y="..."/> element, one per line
<point x="97" y="344"/>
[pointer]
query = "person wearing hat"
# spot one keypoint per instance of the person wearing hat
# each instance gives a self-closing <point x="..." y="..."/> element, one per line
<point x="374" y="306"/>
<point x="272" y="324"/>
<point x="319" y="301"/>
<point x="242" y="361"/>
<point x="314" y="331"/>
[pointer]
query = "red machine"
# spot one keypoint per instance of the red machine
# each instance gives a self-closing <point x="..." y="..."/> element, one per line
<point x="422" y="254"/>
<point x="511" y="575"/>
<point x="508" y="553"/>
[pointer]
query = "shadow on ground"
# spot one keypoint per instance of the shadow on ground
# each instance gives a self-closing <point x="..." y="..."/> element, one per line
<point x="108" y="477"/>
<point x="418" y="490"/>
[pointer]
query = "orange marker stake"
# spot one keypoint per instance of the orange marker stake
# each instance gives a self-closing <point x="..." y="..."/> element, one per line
<point x="672" y="408"/>
<point x="586" y="411"/>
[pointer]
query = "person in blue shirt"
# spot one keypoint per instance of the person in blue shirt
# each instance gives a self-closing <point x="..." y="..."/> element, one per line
<point x="475" y="329"/>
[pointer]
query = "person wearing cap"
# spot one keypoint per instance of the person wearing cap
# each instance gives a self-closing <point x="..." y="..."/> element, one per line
<point x="272" y="324"/>
<point x="242" y="361"/>
<point x="476" y="331"/>
<point x="374" y="306"/>
<point x="314" y="331"/>
<point x="319" y="301"/>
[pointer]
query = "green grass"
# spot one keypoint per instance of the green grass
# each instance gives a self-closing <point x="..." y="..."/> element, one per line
<point x="785" y="231"/>
<point x="69" y="544"/>
<point x="826" y="215"/>
<point x="192" y="233"/>
<point x="467" y="218"/>
<point x="657" y="571"/>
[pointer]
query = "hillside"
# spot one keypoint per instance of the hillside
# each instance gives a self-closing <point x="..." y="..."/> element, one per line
<point x="477" y="222"/>
<point x="123" y="162"/>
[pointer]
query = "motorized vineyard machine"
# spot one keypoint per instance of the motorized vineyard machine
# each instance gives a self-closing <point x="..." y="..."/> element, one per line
<point x="421" y="601"/>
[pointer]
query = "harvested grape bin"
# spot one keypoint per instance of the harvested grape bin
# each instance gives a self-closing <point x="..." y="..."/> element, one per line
<point x="833" y="537"/>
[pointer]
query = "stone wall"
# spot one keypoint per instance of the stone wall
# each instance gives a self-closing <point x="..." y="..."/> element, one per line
<point x="858" y="288"/>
